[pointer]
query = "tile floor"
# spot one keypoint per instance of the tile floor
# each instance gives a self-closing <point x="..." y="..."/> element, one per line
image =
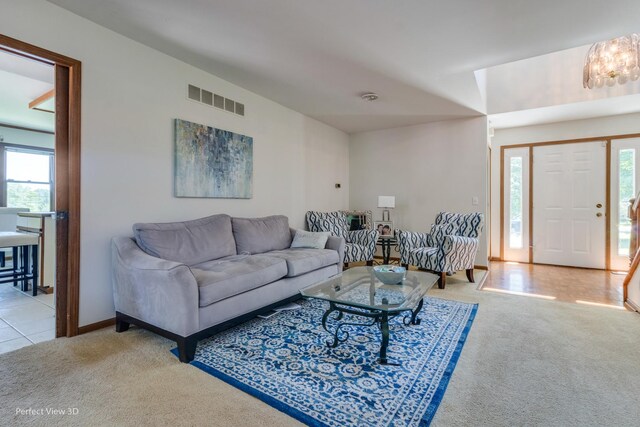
<point x="25" y="319"/>
<point x="575" y="285"/>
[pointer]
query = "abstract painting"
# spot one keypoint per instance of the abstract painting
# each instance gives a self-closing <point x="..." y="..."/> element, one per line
<point x="212" y="162"/>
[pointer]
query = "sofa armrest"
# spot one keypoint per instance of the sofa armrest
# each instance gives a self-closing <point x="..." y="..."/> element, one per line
<point x="464" y="248"/>
<point x="159" y="292"/>
<point x="337" y="244"/>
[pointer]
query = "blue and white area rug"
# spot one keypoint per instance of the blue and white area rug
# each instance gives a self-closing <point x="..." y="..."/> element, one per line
<point x="285" y="362"/>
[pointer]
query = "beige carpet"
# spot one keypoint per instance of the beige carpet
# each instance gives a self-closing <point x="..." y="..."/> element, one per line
<point x="526" y="362"/>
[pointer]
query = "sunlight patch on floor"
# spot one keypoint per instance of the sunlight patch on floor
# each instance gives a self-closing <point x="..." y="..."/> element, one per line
<point x="597" y="304"/>
<point x="522" y="294"/>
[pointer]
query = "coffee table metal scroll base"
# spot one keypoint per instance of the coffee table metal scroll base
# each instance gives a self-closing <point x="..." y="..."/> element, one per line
<point x="376" y="316"/>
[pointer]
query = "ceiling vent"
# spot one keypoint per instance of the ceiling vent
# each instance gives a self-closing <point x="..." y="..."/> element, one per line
<point x="211" y="99"/>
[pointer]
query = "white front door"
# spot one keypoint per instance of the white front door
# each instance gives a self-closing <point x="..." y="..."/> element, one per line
<point x="569" y="190"/>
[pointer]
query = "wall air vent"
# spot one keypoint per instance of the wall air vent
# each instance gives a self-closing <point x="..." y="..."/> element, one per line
<point x="194" y="93"/>
<point x="214" y="100"/>
<point x="207" y="97"/>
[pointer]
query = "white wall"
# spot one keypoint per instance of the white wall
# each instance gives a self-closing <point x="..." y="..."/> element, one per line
<point x="23" y="137"/>
<point x="603" y="126"/>
<point x="130" y="96"/>
<point x="429" y="168"/>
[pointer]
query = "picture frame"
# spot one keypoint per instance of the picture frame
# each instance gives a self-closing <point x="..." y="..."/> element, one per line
<point x="211" y="162"/>
<point x="385" y="229"/>
<point x="359" y="220"/>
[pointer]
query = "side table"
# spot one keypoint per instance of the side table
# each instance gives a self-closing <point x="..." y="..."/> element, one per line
<point x="386" y="242"/>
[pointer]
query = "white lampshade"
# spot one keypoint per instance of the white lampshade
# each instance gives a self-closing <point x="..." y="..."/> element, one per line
<point x="386" y="201"/>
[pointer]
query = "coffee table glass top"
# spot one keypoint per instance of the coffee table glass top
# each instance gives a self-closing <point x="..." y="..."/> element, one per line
<point x="359" y="287"/>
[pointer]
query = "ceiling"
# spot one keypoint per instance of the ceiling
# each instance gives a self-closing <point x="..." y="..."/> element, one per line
<point x="21" y="81"/>
<point x="317" y="57"/>
<point x="548" y="88"/>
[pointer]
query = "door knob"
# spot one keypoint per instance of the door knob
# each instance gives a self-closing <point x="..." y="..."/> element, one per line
<point x="599" y="214"/>
<point x="599" y="205"/>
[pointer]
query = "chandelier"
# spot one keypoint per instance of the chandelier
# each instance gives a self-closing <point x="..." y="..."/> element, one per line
<point x="611" y="61"/>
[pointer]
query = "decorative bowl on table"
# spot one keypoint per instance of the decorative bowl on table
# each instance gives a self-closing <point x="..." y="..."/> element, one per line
<point x="390" y="274"/>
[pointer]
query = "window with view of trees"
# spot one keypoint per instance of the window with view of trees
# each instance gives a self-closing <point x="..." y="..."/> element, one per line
<point x="515" y="208"/>
<point x="627" y="190"/>
<point x="28" y="179"/>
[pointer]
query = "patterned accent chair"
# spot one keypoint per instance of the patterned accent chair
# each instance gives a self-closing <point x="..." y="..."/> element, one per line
<point x="360" y="244"/>
<point x="451" y="245"/>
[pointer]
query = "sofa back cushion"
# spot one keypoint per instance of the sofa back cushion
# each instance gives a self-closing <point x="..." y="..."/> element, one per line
<point x="188" y="242"/>
<point x="260" y="235"/>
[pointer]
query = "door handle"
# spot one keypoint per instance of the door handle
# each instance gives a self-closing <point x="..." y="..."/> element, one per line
<point x="599" y="205"/>
<point x="599" y="214"/>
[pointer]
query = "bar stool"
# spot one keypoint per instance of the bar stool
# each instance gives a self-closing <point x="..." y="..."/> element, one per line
<point x="25" y="259"/>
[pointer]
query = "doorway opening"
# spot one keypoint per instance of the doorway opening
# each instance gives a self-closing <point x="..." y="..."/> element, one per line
<point x="42" y="184"/>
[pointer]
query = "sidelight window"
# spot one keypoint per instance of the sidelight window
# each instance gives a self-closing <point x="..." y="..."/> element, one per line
<point x="626" y="191"/>
<point x="515" y="207"/>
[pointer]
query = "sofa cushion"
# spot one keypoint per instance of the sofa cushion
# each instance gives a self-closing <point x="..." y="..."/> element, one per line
<point x="300" y="261"/>
<point x="188" y="242"/>
<point x="309" y="239"/>
<point x="259" y="235"/>
<point x="224" y="278"/>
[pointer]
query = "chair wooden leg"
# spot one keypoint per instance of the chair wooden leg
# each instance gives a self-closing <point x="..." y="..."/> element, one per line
<point x="345" y="266"/>
<point x="369" y="263"/>
<point x="406" y="266"/>
<point x="443" y="280"/>
<point x="470" y="275"/>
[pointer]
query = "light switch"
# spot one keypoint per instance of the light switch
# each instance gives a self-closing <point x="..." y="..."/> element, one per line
<point x="474" y="201"/>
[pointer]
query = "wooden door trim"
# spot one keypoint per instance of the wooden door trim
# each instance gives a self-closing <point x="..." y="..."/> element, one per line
<point x="67" y="134"/>
<point x="530" y="242"/>
<point x="502" y="148"/>
<point x="607" y="140"/>
<point x="27" y="50"/>
<point x="574" y="141"/>
<point x="607" y="210"/>
<point x="489" y="219"/>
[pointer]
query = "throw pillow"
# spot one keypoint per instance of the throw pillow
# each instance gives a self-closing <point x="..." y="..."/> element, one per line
<point x="439" y="231"/>
<point x="308" y="239"/>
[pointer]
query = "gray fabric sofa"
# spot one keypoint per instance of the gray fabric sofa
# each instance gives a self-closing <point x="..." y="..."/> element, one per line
<point x="189" y="280"/>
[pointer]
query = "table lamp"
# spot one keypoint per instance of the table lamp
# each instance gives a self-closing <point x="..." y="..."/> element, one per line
<point x="386" y="202"/>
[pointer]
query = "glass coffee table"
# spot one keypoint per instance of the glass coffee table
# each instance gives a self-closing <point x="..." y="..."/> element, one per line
<point x="357" y="291"/>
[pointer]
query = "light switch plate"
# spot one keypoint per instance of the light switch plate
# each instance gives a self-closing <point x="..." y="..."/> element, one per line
<point x="474" y="201"/>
